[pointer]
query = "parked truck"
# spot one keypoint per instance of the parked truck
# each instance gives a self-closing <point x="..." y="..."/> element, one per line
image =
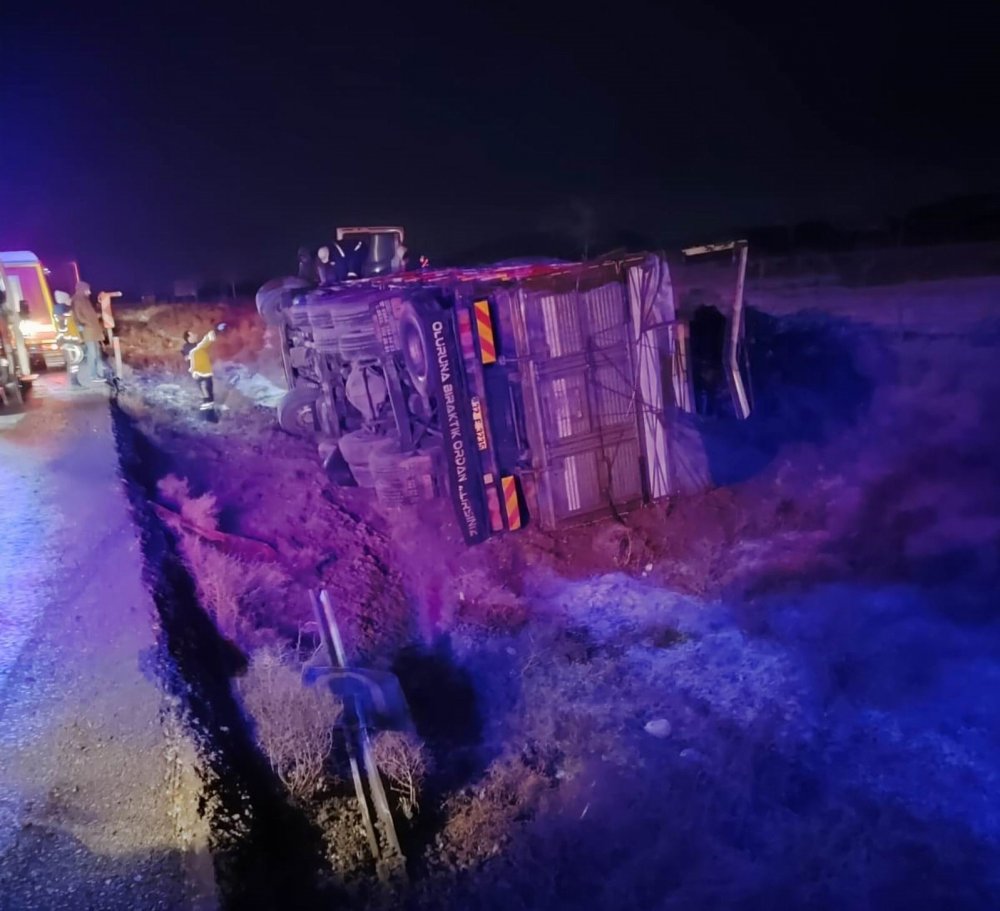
<point x="30" y="302"/>
<point x="524" y="392"/>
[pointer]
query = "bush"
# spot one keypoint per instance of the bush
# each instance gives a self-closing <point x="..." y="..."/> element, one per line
<point x="404" y="761"/>
<point x="225" y="584"/>
<point x="202" y="512"/>
<point x="174" y="490"/>
<point x="293" y="723"/>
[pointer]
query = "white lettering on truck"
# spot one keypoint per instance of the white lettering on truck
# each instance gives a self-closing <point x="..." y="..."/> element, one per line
<point x="453" y="428"/>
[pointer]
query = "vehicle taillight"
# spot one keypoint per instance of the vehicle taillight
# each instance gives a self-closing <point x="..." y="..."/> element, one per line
<point x="493" y="504"/>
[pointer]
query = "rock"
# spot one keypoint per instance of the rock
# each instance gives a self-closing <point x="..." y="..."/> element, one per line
<point x="658" y="727"/>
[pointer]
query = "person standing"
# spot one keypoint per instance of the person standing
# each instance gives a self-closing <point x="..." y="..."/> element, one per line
<point x="307" y="266"/>
<point x="89" y="325"/>
<point x="199" y="358"/>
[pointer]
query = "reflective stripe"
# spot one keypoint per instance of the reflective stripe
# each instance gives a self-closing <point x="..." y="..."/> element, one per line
<point x="511" y="502"/>
<point x="484" y="326"/>
<point x="205" y="406"/>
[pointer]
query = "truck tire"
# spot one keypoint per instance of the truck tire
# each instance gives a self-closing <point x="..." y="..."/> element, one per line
<point x="416" y="349"/>
<point x="326" y="340"/>
<point x="356" y="346"/>
<point x="356" y="447"/>
<point x="329" y="308"/>
<point x="270" y="295"/>
<point x="404" y="478"/>
<point x="297" y="411"/>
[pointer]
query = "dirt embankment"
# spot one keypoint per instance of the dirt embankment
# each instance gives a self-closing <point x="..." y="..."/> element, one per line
<point x="690" y="706"/>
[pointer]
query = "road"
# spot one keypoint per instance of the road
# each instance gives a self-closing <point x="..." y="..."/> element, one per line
<point x="92" y="802"/>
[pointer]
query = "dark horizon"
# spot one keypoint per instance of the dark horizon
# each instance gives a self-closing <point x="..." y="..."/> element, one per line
<point x="154" y="148"/>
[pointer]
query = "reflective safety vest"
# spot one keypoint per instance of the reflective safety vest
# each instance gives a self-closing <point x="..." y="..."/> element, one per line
<point x="200" y="356"/>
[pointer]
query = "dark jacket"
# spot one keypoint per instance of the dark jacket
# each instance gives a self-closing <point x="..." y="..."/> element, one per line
<point x="87" y="320"/>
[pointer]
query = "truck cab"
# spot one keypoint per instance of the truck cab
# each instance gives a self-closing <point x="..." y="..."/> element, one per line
<point x="30" y="303"/>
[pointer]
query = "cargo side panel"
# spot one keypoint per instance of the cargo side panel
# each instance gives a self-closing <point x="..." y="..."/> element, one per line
<point x="581" y="387"/>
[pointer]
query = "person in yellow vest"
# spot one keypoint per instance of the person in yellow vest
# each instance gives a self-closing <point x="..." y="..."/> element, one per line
<point x="199" y="358"/>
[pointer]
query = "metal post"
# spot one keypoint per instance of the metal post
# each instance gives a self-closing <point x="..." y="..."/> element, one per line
<point x="740" y="398"/>
<point x="335" y="651"/>
<point x="391" y="861"/>
<point x="117" y="346"/>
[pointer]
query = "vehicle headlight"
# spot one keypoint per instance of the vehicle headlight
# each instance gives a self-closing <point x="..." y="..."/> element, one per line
<point x="30" y="328"/>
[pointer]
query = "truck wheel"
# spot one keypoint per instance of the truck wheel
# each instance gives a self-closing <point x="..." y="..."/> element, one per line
<point x="270" y="295"/>
<point x="356" y="447"/>
<point x="356" y="346"/>
<point x="416" y="350"/>
<point x="297" y="411"/>
<point x="404" y="478"/>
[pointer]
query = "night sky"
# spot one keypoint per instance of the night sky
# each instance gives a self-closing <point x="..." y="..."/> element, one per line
<point x="160" y="144"/>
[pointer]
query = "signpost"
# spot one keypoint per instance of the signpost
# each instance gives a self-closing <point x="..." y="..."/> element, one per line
<point x="108" y="318"/>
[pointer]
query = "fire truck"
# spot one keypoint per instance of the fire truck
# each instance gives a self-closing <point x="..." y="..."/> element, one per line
<point x="30" y="311"/>
<point x="542" y="392"/>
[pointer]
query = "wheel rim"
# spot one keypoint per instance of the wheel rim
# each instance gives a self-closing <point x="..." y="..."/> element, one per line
<point x="305" y="416"/>
<point x="297" y="412"/>
<point x="415" y="355"/>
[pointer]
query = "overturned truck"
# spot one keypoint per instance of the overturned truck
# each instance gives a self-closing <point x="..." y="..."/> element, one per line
<point x="546" y="392"/>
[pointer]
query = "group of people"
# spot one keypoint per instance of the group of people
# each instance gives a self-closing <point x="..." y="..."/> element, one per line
<point x="344" y="262"/>
<point x="90" y="326"/>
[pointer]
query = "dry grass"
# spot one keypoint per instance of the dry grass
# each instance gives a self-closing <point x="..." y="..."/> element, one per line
<point x="202" y="511"/>
<point x="293" y="724"/>
<point x="227" y="586"/>
<point x="481" y="823"/>
<point x="174" y="490"/>
<point x="483" y="601"/>
<point x="404" y="761"/>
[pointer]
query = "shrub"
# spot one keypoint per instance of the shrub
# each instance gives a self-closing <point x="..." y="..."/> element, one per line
<point x="403" y="759"/>
<point x="202" y="512"/>
<point x="293" y="723"/>
<point x="225" y="584"/>
<point x="174" y="489"/>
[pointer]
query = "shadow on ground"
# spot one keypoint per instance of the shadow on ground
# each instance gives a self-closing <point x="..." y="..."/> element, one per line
<point x="47" y="867"/>
<point x="808" y="381"/>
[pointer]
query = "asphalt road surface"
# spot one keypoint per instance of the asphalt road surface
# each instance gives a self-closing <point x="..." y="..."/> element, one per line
<point x="90" y="801"/>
